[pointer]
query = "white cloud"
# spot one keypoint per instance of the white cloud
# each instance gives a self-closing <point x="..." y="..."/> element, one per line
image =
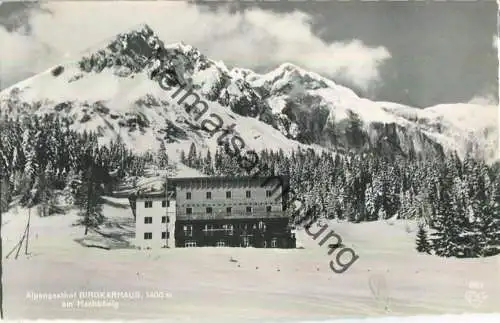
<point x="253" y="38"/>
<point x="487" y="97"/>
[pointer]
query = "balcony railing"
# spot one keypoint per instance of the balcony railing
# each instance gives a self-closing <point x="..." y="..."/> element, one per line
<point x="229" y="216"/>
<point x="273" y="200"/>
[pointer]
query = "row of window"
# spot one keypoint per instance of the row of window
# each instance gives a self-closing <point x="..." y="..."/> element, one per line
<point x="246" y="243"/>
<point x="209" y="229"/>
<point x="228" y="229"/>
<point x="149" y="219"/>
<point x="149" y="235"/>
<point x="229" y="210"/>
<point x="228" y="194"/>
<point x="226" y="204"/>
<point x="149" y="204"/>
<point x="166" y="203"/>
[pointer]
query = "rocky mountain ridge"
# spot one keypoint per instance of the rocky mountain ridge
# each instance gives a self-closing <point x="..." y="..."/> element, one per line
<point x="115" y="90"/>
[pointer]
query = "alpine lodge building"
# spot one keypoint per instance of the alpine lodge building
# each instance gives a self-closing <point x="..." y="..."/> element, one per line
<point x="214" y="212"/>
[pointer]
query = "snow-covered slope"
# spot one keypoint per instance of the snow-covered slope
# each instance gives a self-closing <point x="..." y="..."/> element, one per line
<point x="304" y="98"/>
<point x="464" y="127"/>
<point x="264" y="285"/>
<point x="115" y="89"/>
<point x="114" y="93"/>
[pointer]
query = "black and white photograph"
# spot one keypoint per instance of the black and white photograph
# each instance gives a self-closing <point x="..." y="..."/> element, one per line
<point x="249" y="161"/>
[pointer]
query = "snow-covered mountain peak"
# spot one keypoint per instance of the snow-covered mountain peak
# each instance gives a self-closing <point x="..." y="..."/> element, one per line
<point x="143" y="29"/>
<point x="288" y="65"/>
<point x="289" y="78"/>
<point x="127" y="53"/>
<point x="182" y="46"/>
<point x="114" y="88"/>
<point x="244" y="74"/>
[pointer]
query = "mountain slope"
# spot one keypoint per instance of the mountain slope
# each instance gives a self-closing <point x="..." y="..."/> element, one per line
<point x="115" y="90"/>
<point x="113" y="93"/>
<point x="312" y="105"/>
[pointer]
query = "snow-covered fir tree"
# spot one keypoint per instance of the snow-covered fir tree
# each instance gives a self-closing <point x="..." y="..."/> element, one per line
<point x="422" y="241"/>
<point x="42" y="158"/>
<point x="88" y="196"/>
<point x="162" y="156"/>
<point x="454" y="198"/>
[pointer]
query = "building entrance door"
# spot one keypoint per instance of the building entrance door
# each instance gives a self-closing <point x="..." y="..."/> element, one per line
<point x="246" y="241"/>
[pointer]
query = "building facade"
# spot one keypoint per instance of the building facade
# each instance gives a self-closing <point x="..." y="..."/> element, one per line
<point x="223" y="211"/>
<point x="154" y="220"/>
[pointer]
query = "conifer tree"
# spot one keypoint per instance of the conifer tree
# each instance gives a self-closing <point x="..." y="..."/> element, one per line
<point x="191" y="157"/>
<point x="490" y="222"/>
<point x="5" y="193"/>
<point x="370" y="203"/>
<point x="44" y="191"/>
<point x="162" y="156"/>
<point x="183" y="157"/>
<point x="207" y="164"/>
<point x="88" y="197"/>
<point x="423" y="244"/>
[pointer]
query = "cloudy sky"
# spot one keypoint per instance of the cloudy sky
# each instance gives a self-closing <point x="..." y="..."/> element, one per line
<point x="416" y="53"/>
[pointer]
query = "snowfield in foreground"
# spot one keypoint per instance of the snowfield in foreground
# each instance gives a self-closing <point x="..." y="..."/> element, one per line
<point x="202" y="284"/>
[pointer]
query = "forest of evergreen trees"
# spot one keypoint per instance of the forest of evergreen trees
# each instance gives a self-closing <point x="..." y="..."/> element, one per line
<point x="40" y="156"/>
<point x="458" y="201"/>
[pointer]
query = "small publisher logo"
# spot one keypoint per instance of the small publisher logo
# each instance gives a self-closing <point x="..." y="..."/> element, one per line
<point x="476" y="295"/>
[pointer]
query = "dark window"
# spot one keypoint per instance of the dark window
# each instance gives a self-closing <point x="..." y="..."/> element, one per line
<point x="163" y="219"/>
<point x="209" y="210"/>
<point x="165" y="235"/>
<point x="188" y="230"/>
<point x="148" y="220"/>
<point x="188" y="195"/>
<point x="148" y="235"/>
<point x="228" y="194"/>
<point x="209" y="195"/>
<point x="209" y="230"/>
<point x="168" y="219"/>
<point x="228" y="229"/>
<point x="268" y="208"/>
<point x="148" y="204"/>
<point x="262" y="226"/>
<point x="165" y="203"/>
<point x="269" y="193"/>
<point x="249" y="209"/>
<point x="189" y="210"/>
<point x="228" y="210"/>
<point x="249" y="194"/>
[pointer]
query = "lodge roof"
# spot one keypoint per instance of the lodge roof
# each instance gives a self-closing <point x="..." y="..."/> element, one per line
<point x="152" y="194"/>
<point x="251" y="180"/>
<point x="212" y="180"/>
